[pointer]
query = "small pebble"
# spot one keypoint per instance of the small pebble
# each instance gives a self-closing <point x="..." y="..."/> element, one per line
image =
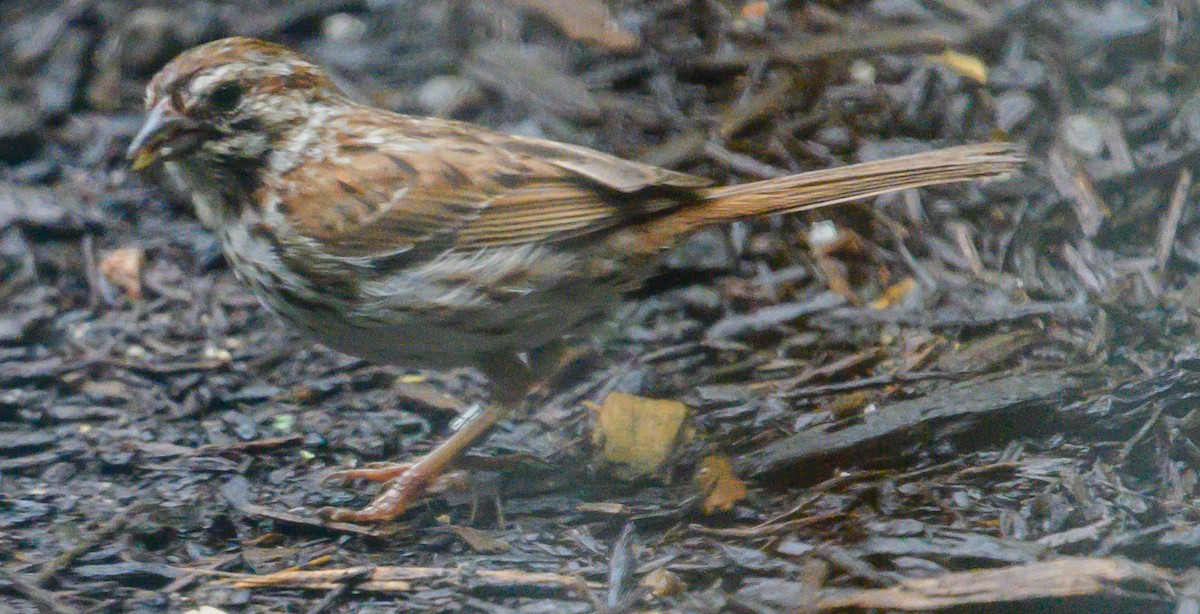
<point x="343" y="28"/>
<point x="1084" y="134"/>
<point x="447" y="95"/>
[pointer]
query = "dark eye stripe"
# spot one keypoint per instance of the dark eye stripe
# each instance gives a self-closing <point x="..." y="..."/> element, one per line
<point x="248" y="123"/>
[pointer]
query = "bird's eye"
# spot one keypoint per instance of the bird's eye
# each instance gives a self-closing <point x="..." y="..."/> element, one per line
<point x="225" y="97"/>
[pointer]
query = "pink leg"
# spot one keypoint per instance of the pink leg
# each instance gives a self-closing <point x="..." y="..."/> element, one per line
<point x="407" y="482"/>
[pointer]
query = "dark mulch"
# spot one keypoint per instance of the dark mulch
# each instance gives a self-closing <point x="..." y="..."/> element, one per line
<point x="969" y="378"/>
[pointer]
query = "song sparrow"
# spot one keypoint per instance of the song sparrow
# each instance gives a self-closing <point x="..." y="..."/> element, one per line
<point x="433" y="243"/>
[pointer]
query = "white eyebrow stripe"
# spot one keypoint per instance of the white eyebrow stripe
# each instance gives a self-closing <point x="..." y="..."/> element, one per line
<point x="204" y="81"/>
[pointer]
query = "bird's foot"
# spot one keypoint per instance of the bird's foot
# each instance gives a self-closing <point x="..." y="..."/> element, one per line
<point x="406" y="483"/>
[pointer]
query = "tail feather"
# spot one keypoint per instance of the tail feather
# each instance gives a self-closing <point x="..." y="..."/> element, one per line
<point x="816" y="189"/>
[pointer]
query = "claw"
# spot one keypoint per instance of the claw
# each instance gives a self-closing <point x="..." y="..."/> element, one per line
<point x="409" y="481"/>
<point x="393" y="501"/>
<point x="377" y="473"/>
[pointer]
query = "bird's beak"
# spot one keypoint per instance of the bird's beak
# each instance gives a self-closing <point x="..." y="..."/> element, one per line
<point x="164" y="135"/>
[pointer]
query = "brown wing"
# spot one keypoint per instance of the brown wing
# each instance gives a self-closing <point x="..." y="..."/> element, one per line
<point x="446" y="185"/>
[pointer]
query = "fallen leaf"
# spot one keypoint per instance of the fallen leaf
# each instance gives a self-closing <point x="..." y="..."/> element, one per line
<point x="753" y="16"/>
<point x="716" y="479"/>
<point x="968" y="66"/>
<point x="663" y="583"/>
<point x="638" y="434"/>
<point x="123" y="269"/>
<point x="848" y="404"/>
<point x="587" y="21"/>
<point x="894" y="293"/>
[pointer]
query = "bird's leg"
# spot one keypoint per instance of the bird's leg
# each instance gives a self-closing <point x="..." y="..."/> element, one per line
<point x="510" y="379"/>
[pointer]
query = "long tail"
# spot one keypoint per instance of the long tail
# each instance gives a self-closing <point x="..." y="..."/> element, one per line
<point x="816" y="189"/>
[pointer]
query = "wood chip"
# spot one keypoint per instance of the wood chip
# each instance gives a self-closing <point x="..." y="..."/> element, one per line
<point x="1062" y="578"/>
<point x="961" y="408"/>
<point x="480" y="541"/>
<point x="614" y="509"/>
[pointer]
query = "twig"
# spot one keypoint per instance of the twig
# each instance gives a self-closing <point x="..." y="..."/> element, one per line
<point x="92" y="275"/>
<point x="1079" y="265"/>
<point x="256" y="445"/>
<point x="188" y="575"/>
<point x="1074" y="184"/>
<point x="970" y="472"/>
<point x="1127" y="449"/>
<point x="253" y="509"/>
<point x="107" y="530"/>
<point x="854" y="565"/>
<point x="769" y="530"/>
<point x="765" y="103"/>
<point x="1118" y="147"/>
<point x="45" y="600"/>
<point x="742" y="162"/>
<point x="337" y="594"/>
<point x="632" y="597"/>
<point x="969" y="9"/>
<point x="900" y="39"/>
<point x="962" y="238"/>
<point x="1090" y="532"/>
<point x="1170" y="224"/>
<point x="401" y="579"/>
<point x="620" y="566"/>
<point x="875" y="382"/>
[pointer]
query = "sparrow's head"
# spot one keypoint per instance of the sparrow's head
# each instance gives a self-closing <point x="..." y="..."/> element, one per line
<point x="227" y="100"/>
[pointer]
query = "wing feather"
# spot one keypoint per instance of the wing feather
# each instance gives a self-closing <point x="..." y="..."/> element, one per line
<point x="438" y="185"/>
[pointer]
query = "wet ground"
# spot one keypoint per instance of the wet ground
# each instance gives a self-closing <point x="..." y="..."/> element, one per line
<point x="999" y="378"/>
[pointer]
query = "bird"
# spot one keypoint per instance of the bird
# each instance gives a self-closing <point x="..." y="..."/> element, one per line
<point x="437" y="244"/>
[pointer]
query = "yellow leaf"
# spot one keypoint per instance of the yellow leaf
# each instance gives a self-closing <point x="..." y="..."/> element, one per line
<point x="968" y="66"/>
<point x="894" y="293"/>
<point x="638" y="434"/>
<point x="716" y="479"/>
